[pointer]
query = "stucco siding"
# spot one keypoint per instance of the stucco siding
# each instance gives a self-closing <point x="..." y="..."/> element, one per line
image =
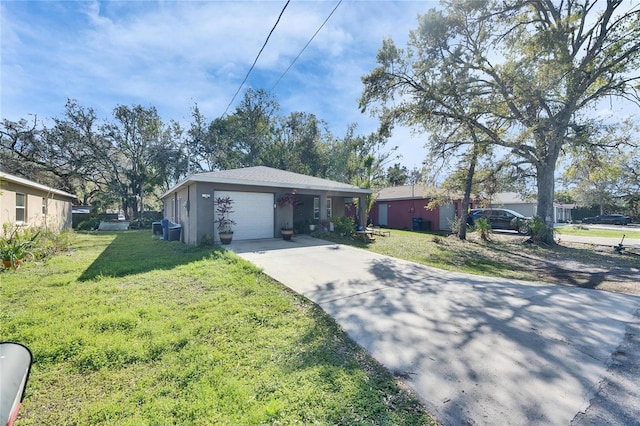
<point x="41" y="208"/>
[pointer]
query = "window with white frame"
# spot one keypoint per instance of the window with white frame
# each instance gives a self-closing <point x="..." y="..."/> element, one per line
<point x="21" y="207"/>
<point x="329" y="208"/>
<point x="316" y="208"/>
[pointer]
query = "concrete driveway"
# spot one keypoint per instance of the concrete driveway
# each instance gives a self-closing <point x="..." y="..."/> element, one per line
<point x="476" y="350"/>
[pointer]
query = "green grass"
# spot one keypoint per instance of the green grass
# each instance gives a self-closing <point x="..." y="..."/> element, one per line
<point x="503" y="256"/>
<point x="442" y="252"/>
<point x="128" y="330"/>
<point x="584" y="231"/>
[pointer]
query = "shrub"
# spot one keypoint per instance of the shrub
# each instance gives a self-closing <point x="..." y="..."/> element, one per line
<point x="540" y="232"/>
<point x="483" y="227"/>
<point x="89" y="224"/>
<point x="343" y="224"/>
<point x="17" y="244"/>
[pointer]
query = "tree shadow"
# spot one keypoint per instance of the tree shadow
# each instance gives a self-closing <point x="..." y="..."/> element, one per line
<point x="475" y="348"/>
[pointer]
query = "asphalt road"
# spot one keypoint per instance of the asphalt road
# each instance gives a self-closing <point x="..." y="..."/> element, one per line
<point x="476" y="350"/>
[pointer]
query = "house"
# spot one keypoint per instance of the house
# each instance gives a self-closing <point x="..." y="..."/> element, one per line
<point x="528" y="206"/>
<point x="400" y="207"/>
<point x="260" y="195"/>
<point x="27" y="203"/>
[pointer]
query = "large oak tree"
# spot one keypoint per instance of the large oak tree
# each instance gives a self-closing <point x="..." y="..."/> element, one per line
<point x="537" y="65"/>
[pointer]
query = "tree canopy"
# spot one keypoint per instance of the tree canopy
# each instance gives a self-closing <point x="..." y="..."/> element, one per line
<point x="130" y="159"/>
<point x="522" y="73"/>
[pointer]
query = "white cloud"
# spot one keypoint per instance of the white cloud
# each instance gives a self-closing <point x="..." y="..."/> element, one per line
<point x="172" y="54"/>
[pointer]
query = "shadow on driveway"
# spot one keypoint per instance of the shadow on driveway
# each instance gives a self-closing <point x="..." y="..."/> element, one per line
<point x="477" y="350"/>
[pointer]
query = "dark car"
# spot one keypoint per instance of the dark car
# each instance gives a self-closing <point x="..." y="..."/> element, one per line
<point x="608" y="219"/>
<point x="501" y="219"/>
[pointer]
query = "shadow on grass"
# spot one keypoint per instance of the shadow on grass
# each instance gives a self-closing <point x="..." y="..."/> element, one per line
<point x="135" y="252"/>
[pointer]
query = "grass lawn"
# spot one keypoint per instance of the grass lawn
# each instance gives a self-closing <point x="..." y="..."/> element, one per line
<point x="509" y="256"/>
<point x="584" y="231"/>
<point x="128" y="330"/>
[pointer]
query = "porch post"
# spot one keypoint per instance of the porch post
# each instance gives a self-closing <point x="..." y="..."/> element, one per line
<point x="323" y="207"/>
<point x="362" y="200"/>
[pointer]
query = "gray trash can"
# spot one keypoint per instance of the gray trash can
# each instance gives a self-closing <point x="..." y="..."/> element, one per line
<point x="15" y="366"/>
<point x="174" y="232"/>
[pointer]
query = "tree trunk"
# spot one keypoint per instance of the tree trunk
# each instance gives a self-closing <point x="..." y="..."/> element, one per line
<point x="546" y="189"/>
<point x="468" y="184"/>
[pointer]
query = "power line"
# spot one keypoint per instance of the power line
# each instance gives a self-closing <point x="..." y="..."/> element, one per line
<point x="258" y="56"/>
<point x="305" y="46"/>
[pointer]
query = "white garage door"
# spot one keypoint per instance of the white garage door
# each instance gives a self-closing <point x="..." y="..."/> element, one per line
<point x="253" y="213"/>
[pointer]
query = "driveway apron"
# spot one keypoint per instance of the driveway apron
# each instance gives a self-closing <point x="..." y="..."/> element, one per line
<point x="476" y="350"/>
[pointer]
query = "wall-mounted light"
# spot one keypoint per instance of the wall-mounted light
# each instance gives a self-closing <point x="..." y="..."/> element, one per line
<point x="206" y="195"/>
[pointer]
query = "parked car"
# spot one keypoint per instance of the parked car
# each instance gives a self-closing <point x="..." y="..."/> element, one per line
<point x="501" y="219"/>
<point x="610" y="219"/>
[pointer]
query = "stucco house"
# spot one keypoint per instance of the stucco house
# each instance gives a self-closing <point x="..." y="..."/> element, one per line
<point x="528" y="206"/>
<point x="258" y="210"/>
<point x="27" y="203"/>
<point x="397" y="207"/>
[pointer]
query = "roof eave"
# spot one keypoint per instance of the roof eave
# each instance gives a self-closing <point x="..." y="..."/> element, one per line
<point x="244" y="182"/>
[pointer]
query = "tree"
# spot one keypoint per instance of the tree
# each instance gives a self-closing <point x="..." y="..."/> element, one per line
<point x="598" y="171"/>
<point x="535" y="65"/>
<point x="396" y="175"/>
<point x="143" y="147"/>
<point x="66" y="156"/>
<point x="252" y="126"/>
<point x="300" y="145"/>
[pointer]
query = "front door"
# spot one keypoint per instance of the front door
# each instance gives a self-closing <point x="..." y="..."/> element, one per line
<point x="382" y="215"/>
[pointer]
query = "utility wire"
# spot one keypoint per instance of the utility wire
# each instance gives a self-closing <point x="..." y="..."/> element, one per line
<point x="305" y="46"/>
<point x="256" y="60"/>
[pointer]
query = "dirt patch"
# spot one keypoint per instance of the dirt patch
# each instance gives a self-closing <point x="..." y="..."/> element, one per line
<point x="568" y="264"/>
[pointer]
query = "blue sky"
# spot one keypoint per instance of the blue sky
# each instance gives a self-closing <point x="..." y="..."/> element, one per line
<point x="172" y="54"/>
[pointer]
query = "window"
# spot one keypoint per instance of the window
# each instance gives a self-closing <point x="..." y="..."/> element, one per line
<point x="329" y="208"/>
<point x="44" y="205"/>
<point x="316" y="208"/>
<point x="21" y="207"/>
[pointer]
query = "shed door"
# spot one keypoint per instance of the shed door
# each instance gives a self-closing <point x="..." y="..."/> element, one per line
<point x="253" y="213"/>
<point x="447" y="216"/>
<point x="382" y="215"/>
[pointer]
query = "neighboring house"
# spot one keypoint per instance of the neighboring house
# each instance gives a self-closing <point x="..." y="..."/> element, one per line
<point x="27" y="203"/>
<point x="528" y="206"/>
<point x="397" y="207"/>
<point x="256" y="192"/>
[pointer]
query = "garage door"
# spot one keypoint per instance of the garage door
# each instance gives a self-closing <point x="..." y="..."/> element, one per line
<point x="253" y="213"/>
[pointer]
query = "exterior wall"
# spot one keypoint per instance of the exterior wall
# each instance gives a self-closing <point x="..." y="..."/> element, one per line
<point x="525" y="209"/>
<point x="400" y="213"/>
<point x="57" y="214"/>
<point x="198" y="220"/>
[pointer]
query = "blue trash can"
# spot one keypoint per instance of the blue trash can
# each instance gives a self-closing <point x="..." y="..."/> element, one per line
<point x="165" y="229"/>
<point x="417" y="223"/>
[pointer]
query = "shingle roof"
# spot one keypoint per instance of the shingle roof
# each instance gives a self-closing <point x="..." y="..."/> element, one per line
<point x="268" y="176"/>
<point x="407" y="192"/>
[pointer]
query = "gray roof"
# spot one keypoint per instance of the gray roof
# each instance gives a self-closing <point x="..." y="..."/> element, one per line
<point x="407" y="192"/>
<point x="270" y="177"/>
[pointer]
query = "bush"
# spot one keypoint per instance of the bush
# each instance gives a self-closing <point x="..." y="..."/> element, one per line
<point x="89" y="225"/>
<point x="17" y="244"/>
<point x="483" y="227"/>
<point x="343" y="224"/>
<point x="540" y="232"/>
